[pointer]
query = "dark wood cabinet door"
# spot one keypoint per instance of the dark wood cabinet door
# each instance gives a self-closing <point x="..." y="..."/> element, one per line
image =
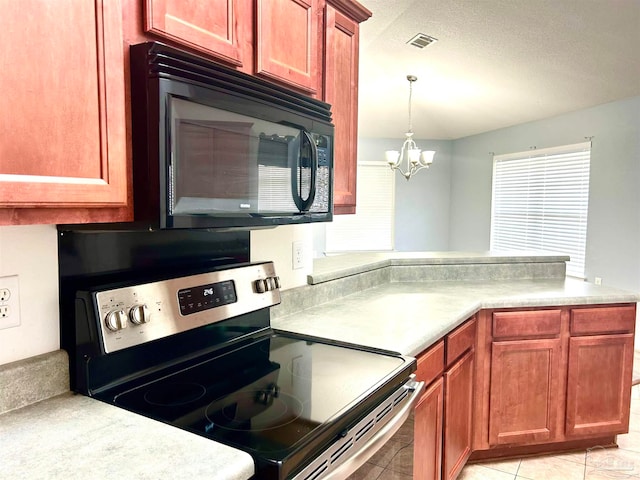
<point x="341" y="91"/>
<point x="458" y="402"/>
<point x="427" y="447"/>
<point x="221" y="28"/>
<point x="525" y="393"/>
<point x="62" y="114"/>
<point x="288" y="41"/>
<point x="599" y="384"/>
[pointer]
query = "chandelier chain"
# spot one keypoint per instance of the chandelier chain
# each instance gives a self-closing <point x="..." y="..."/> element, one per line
<point x="410" y="95"/>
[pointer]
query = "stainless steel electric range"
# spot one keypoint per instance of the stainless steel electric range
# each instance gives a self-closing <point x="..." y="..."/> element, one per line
<point x="197" y="352"/>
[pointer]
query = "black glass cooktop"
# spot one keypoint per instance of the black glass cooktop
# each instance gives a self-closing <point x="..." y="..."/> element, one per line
<point x="266" y="397"/>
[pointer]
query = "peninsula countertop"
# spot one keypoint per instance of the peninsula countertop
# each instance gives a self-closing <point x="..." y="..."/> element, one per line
<point x="408" y="317"/>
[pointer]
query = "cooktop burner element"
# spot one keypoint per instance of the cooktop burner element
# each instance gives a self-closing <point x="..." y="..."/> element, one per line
<point x="241" y="414"/>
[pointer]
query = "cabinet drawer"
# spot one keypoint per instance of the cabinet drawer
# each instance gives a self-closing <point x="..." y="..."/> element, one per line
<point x="530" y="324"/>
<point x="594" y="321"/>
<point x="431" y="363"/>
<point x="461" y="340"/>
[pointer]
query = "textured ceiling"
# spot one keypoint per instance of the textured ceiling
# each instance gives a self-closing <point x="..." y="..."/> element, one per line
<point x="496" y="62"/>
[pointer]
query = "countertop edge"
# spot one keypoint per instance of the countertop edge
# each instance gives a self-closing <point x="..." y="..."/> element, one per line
<point x="339" y="266"/>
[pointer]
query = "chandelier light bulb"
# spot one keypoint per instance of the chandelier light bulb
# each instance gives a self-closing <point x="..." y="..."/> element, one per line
<point x="426" y="158"/>
<point x="392" y="157"/>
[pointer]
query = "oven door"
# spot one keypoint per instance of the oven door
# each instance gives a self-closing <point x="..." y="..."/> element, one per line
<point x="358" y="443"/>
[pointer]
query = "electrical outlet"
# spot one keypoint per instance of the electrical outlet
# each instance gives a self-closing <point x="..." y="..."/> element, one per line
<point x="5" y="293"/>
<point x="9" y="302"/>
<point x="598" y="281"/>
<point x="297" y="255"/>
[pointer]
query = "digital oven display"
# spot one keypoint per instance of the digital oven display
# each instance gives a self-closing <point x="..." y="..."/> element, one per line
<point x="204" y="297"/>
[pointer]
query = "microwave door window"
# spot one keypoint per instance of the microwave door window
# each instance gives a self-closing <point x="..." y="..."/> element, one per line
<point x="224" y="163"/>
<point x="214" y="175"/>
<point x="276" y="158"/>
<point x="284" y="178"/>
<point x="212" y="169"/>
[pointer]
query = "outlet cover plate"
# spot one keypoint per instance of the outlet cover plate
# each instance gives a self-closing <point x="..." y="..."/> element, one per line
<point x="297" y="252"/>
<point x="10" y="304"/>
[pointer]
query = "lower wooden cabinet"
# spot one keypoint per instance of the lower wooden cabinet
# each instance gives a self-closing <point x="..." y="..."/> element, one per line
<point x="516" y="382"/>
<point x="443" y="417"/>
<point x="524" y="392"/>
<point x="599" y="384"/>
<point x="427" y="446"/>
<point x="552" y="376"/>
<point x="458" y="421"/>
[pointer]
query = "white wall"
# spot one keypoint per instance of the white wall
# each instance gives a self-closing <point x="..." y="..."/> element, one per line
<point x="613" y="235"/>
<point x="31" y="252"/>
<point x="422" y="203"/>
<point x="276" y="244"/>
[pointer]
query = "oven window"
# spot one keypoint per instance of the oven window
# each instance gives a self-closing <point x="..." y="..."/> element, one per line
<point x="226" y="163"/>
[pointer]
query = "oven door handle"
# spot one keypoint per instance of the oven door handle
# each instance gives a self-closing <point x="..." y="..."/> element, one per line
<point x="360" y="457"/>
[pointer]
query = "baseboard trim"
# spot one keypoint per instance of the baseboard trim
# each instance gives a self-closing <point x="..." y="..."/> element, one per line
<point x="502" y="453"/>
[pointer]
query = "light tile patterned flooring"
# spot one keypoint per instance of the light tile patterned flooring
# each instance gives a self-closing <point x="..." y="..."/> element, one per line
<point x="395" y="460"/>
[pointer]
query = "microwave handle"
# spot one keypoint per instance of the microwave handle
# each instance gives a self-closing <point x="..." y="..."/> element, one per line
<point x="302" y="204"/>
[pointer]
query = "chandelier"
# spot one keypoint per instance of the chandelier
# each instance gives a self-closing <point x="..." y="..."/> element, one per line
<point x="409" y="154"/>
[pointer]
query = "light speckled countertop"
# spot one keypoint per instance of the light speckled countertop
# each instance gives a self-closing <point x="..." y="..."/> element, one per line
<point x="338" y="266"/>
<point x="76" y="437"/>
<point x="407" y="317"/>
<point x="70" y="436"/>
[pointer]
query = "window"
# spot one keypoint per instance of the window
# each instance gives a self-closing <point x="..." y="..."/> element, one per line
<point x="540" y="202"/>
<point x="371" y="228"/>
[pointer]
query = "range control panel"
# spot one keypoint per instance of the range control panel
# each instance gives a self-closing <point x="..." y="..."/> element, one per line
<point x="136" y="314"/>
<point x="204" y="297"/>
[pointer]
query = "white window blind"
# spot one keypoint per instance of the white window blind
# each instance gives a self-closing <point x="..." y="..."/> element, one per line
<point x="371" y="228"/>
<point x="540" y="202"/>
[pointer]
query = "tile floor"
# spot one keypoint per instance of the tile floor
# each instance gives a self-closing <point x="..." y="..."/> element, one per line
<point x="395" y="460"/>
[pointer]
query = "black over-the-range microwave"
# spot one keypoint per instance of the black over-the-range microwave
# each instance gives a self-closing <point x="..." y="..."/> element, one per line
<point x="214" y="147"/>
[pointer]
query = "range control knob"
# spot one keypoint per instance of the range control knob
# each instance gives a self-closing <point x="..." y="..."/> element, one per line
<point x="270" y="284"/>
<point x="267" y="284"/>
<point x="139" y="314"/>
<point x="261" y="286"/>
<point x="116" y="320"/>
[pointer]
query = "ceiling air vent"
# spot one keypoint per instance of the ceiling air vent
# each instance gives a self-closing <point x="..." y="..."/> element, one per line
<point x="422" y="40"/>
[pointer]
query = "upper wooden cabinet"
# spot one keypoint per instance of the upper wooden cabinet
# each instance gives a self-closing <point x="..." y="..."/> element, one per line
<point x="288" y="42"/>
<point x="341" y="91"/>
<point x="62" y="114"/>
<point x="277" y="39"/>
<point x="221" y="28"/>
